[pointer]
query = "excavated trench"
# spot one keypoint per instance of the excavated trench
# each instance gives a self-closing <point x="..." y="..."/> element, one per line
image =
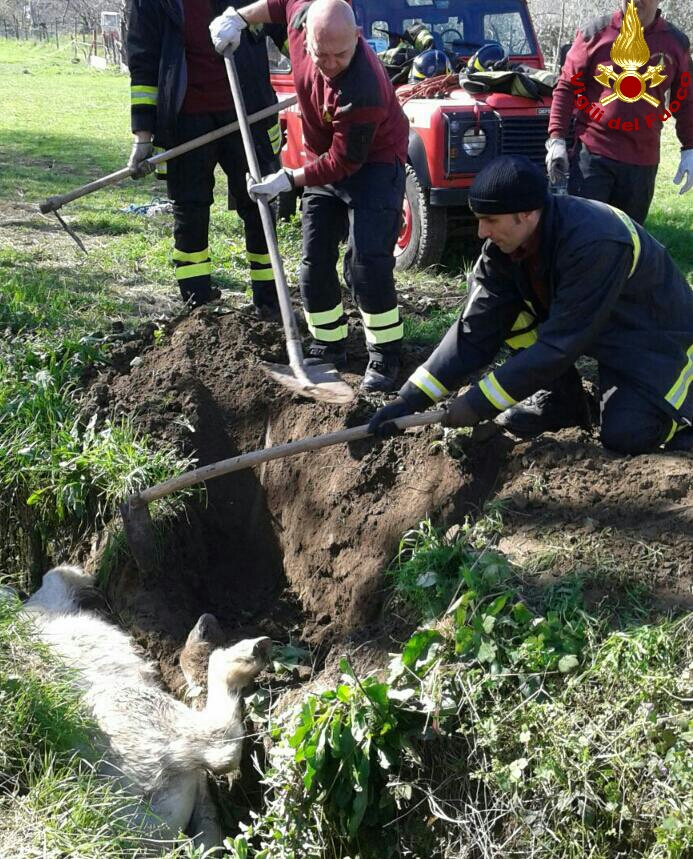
<point x="297" y="547"/>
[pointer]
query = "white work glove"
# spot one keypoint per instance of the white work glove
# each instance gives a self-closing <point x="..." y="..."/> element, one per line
<point x="557" y="163"/>
<point x="685" y="168"/>
<point x="271" y="186"/>
<point x="137" y="162"/>
<point x="226" y="30"/>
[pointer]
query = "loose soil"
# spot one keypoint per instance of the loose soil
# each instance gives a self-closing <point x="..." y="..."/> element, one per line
<point x="297" y="549"/>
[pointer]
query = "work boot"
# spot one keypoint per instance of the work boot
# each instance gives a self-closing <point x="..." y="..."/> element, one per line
<point x="266" y="303"/>
<point x="326" y="353"/>
<point x="682" y="442"/>
<point x="564" y="405"/>
<point x="381" y="373"/>
<point x="269" y="312"/>
<point x="197" y="299"/>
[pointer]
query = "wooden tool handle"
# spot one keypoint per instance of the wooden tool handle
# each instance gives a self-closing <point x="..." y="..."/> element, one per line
<point x="280" y="451"/>
<point x="52" y="204"/>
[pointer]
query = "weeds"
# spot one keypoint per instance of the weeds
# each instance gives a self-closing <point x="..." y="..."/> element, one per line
<point x="61" y="475"/>
<point x="524" y="724"/>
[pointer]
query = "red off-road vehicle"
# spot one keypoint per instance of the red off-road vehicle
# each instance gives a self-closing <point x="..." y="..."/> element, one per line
<point x="453" y="133"/>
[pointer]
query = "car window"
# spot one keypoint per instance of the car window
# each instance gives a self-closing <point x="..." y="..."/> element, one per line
<point x="508" y="28"/>
<point x="278" y="63"/>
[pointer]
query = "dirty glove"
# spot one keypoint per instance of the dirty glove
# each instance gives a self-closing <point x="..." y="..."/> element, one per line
<point x="685" y="168"/>
<point x="226" y="30"/>
<point x="270" y="186"/>
<point x="381" y="424"/>
<point x="458" y="413"/>
<point x="137" y="162"/>
<point x="557" y="163"/>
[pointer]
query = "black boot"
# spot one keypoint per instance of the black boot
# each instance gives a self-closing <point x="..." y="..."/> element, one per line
<point x="381" y="373"/>
<point x="198" y="298"/>
<point x="563" y="405"/>
<point x="326" y="353"/>
<point x="266" y="304"/>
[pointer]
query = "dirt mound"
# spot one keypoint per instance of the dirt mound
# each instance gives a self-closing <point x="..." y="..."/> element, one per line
<point x="299" y="542"/>
<point x="298" y="547"/>
<point x="566" y="498"/>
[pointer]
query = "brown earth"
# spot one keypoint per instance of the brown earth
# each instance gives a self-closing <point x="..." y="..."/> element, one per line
<point x="297" y="549"/>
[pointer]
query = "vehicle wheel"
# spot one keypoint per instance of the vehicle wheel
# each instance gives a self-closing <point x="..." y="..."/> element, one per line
<point x="424" y="228"/>
<point x="285" y="205"/>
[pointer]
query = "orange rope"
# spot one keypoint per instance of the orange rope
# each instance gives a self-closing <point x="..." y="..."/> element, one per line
<point x="435" y="87"/>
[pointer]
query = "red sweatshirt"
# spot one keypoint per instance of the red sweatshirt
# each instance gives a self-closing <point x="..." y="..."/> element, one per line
<point x="348" y="120"/>
<point x="208" y="87"/>
<point x="592" y="46"/>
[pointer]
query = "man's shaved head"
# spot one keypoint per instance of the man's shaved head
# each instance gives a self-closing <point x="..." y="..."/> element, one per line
<point x="331" y="35"/>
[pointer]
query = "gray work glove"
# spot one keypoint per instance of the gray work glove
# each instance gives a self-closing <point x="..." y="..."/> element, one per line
<point x="557" y="162"/>
<point x="685" y="170"/>
<point x="137" y="163"/>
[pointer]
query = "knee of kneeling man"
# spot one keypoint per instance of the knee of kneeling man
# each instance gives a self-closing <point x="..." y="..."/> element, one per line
<point x="624" y="438"/>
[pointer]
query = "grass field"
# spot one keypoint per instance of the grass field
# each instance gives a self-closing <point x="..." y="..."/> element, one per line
<point x="576" y="722"/>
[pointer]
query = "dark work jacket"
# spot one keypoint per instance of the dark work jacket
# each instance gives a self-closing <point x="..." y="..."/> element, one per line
<point x="639" y="325"/>
<point x="156" y="58"/>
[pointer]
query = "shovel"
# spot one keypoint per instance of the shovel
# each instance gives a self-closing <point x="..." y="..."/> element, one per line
<point x="321" y="382"/>
<point x="139" y="530"/>
<point x="52" y="204"/>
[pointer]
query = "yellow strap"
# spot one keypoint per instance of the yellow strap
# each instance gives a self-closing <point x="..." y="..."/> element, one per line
<point x="677" y="393"/>
<point x="526" y="334"/>
<point x="262" y="259"/>
<point x="183" y="272"/>
<point x="634" y="237"/>
<point x="427" y="383"/>
<point x="384" y="335"/>
<point x="672" y="432"/>
<point x="324" y="317"/>
<point x="329" y="335"/>
<point x="495" y="394"/>
<point x="380" y="320"/>
<point x="261" y="274"/>
<point x="140" y="94"/>
<point x="191" y="256"/>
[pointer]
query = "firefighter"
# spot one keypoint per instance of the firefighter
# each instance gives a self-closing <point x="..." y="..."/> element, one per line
<point x="560" y="277"/>
<point x="614" y="161"/>
<point x="179" y="91"/>
<point x="356" y="139"/>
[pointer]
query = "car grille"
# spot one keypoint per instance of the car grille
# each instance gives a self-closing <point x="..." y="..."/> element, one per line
<point x="525" y="135"/>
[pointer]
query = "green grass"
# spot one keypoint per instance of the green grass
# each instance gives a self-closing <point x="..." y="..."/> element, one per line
<point x="518" y="724"/>
<point x="515" y="723"/>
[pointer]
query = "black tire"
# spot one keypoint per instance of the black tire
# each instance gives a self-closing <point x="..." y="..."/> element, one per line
<point x="424" y="228"/>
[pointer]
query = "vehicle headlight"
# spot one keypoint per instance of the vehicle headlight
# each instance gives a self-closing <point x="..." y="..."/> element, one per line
<point x="474" y="141"/>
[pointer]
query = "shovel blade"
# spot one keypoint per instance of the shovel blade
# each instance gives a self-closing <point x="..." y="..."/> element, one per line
<point x="322" y="382"/>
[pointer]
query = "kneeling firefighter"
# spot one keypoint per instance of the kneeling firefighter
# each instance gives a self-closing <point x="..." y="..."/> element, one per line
<point x="561" y="277"/>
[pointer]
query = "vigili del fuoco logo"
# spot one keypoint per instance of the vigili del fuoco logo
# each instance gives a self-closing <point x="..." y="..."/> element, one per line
<point x="630" y="52"/>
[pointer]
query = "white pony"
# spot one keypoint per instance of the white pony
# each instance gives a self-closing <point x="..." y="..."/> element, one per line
<point x="158" y="748"/>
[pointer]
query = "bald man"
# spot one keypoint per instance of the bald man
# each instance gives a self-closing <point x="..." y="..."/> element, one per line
<point x="356" y="138"/>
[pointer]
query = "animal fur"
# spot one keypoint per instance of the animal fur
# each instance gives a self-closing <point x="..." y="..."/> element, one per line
<point x="158" y="748"/>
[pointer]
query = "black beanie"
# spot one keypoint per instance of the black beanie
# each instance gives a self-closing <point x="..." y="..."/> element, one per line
<point x="509" y="183"/>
